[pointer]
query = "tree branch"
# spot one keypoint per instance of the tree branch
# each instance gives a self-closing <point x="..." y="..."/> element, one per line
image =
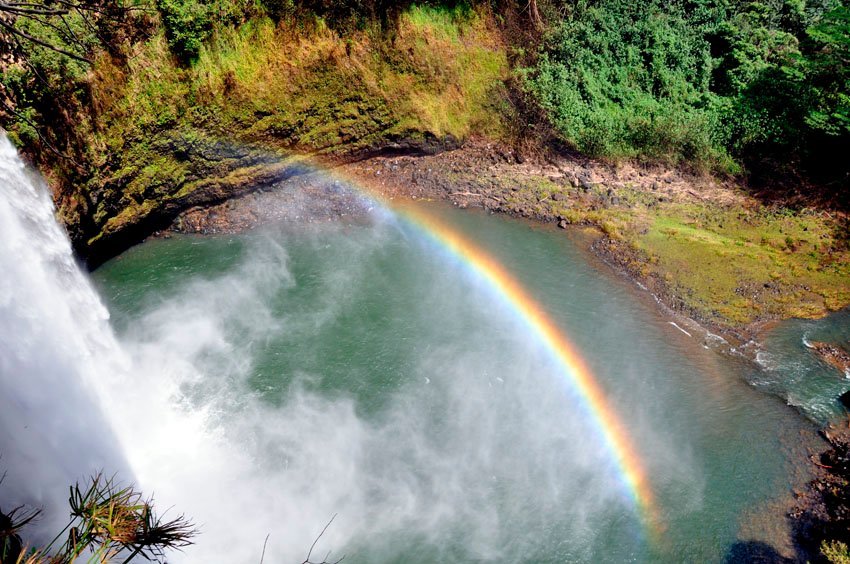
<point x="41" y="137"/>
<point x="14" y="31"/>
<point x="325" y="561"/>
<point x="12" y="9"/>
<point x="263" y="555"/>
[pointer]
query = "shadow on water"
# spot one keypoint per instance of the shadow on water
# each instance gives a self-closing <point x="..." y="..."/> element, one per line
<point x="818" y="516"/>
<point x="756" y="552"/>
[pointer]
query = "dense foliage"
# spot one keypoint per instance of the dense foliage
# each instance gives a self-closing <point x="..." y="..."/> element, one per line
<point x="47" y="49"/>
<point x="724" y="85"/>
<point x="622" y="79"/>
<point x="717" y="83"/>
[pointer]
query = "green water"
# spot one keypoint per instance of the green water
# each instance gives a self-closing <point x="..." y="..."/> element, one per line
<point x="432" y="421"/>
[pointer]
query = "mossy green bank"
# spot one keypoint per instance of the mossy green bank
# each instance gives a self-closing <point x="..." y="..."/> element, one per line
<point x="708" y="250"/>
<point x="164" y="134"/>
<point x="731" y="264"/>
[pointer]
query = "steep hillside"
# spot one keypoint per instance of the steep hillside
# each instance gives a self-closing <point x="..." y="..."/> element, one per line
<point x="153" y="134"/>
<point x="648" y="124"/>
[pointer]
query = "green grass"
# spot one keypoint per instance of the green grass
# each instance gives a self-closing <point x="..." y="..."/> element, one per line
<point x="314" y="90"/>
<point x="288" y="88"/>
<point x="731" y="264"/>
<point x="738" y="266"/>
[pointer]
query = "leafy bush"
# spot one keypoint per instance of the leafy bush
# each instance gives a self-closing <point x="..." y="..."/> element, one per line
<point x="835" y="552"/>
<point x="188" y="23"/>
<point x="106" y="520"/>
<point x="701" y="81"/>
<point x="626" y="79"/>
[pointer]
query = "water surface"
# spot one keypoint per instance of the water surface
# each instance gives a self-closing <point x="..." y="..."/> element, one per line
<point x="355" y="368"/>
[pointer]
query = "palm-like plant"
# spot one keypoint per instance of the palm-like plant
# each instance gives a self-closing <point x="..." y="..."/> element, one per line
<point x="107" y="522"/>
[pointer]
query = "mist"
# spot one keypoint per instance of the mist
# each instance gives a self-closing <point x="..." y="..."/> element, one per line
<point x="470" y="446"/>
<point x="342" y="369"/>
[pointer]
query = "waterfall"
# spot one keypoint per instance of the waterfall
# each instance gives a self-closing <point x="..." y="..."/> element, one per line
<point x="55" y="344"/>
<point x="472" y="451"/>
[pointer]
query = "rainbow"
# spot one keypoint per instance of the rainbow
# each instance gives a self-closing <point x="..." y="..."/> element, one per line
<point x="575" y="371"/>
<point x="573" y="366"/>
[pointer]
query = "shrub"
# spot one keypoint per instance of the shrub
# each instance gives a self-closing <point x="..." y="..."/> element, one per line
<point x="188" y="23"/>
<point x="623" y="80"/>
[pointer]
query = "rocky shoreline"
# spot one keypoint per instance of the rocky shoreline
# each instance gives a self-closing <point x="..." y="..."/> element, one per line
<point x="820" y="516"/>
<point x="494" y="178"/>
<point x="834" y="355"/>
<point x="570" y="192"/>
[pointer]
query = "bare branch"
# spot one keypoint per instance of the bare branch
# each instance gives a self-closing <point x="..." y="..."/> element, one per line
<point x="263" y="555"/>
<point x="12" y="9"/>
<point x="66" y="34"/>
<point x="313" y="546"/>
<point x="41" y="137"/>
<point x="35" y="71"/>
<point x="13" y="30"/>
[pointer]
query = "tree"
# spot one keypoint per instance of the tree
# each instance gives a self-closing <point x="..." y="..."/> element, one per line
<point x="68" y="27"/>
<point x="46" y="50"/>
<point x="829" y="69"/>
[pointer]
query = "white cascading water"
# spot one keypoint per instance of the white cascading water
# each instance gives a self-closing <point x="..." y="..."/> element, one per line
<point x="55" y="344"/>
<point x="74" y="402"/>
<point x="168" y="406"/>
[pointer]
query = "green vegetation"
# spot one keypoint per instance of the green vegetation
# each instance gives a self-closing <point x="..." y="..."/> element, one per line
<point x="738" y="266"/>
<point x="136" y="112"/>
<point x="730" y="261"/>
<point x="107" y="521"/>
<point x="189" y="23"/>
<point x="711" y="83"/>
<point x="192" y="96"/>
<point x="627" y="79"/>
<point x="835" y="552"/>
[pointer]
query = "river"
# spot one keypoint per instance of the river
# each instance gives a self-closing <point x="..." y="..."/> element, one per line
<point x="356" y="368"/>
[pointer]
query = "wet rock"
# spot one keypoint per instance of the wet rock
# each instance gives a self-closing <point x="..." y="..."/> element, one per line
<point x="834" y="355"/>
<point x="845" y="400"/>
<point x="563" y="223"/>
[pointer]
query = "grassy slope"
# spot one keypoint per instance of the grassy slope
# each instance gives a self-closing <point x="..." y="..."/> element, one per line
<point x="155" y="134"/>
<point x="720" y="256"/>
<point x="741" y="265"/>
<point x="286" y="88"/>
